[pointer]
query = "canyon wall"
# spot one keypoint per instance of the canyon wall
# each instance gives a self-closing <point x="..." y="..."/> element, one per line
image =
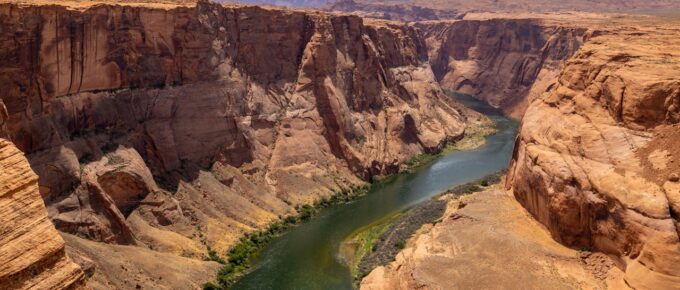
<point x="596" y="160"/>
<point x="32" y="251"/>
<point x="170" y="130"/>
<point x="505" y="62"/>
<point x="550" y="6"/>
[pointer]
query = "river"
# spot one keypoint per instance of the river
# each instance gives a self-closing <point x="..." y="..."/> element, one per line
<point x="307" y="256"/>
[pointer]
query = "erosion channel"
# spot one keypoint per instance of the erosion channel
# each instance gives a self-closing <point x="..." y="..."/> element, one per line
<point x="307" y="257"/>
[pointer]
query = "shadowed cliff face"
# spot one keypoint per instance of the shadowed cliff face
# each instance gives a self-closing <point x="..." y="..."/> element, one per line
<point x="189" y="126"/>
<point x="596" y="160"/>
<point x="505" y="62"/>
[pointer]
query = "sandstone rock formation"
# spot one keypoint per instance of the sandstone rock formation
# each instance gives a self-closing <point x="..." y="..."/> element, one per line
<point x="541" y="5"/>
<point x="488" y="241"/>
<point x="31" y="250"/>
<point x="177" y="128"/>
<point x="596" y="155"/>
<point x="505" y="62"/>
<point x="405" y="13"/>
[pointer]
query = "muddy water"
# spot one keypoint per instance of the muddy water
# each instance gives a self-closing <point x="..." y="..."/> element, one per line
<point x="307" y="256"/>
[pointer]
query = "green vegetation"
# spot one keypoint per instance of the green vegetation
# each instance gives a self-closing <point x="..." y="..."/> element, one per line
<point x="212" y="256"/>
<point x="475" y="136"/>
<point x="419" y="161"/>
<point x="114" y="159"/>
<point x="484" y="183"/>
<point x="240" y="256"/>
<point x="400" y="245"/>
<point x="473" y="188"/>
<point x="363" y="241"/>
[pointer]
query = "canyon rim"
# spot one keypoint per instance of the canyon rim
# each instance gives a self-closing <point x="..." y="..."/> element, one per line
<point x="142" y="141"/>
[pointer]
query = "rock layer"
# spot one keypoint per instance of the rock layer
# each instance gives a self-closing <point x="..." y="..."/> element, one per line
<point x="31" y="251"/>
<point x="178" y="128"/>
<point x="594" y="160"/>
<point x="505" y="62"/>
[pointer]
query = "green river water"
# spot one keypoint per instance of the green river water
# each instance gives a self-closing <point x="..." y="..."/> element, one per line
<point x="307" y="256"/>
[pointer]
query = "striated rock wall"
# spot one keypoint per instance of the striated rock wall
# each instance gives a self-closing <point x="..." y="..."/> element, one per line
<point x="505" y="62"/>
<point x="173" y="129"/>
<point x="404" y="13"/>
<point x="596" y="161"/>
<point x="32" y="254"/>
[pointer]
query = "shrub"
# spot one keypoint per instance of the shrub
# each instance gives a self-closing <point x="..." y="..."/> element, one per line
<point x="211" y="286"/>
<point x="473" y="188"/>
<point x="212" y="256"/>
<point x="400" y="245"/>
<point x="484" y="183"/>
<point x="114" y="159"/>
<point x="305" y="212"/>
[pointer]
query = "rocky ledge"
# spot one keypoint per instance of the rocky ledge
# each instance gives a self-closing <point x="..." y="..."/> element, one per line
<point x="32" y="252"/>
<point x="596" y="160"/>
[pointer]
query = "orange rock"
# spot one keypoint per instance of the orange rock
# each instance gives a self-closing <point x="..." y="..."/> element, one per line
<point x="32" y="253"/>
<point x="580" y="165"/>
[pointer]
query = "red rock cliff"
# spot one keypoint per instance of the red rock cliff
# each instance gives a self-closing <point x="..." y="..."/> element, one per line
<point x="505" y="62"/>
<point x="176" y="128"/>
<point x="596" y="159"/>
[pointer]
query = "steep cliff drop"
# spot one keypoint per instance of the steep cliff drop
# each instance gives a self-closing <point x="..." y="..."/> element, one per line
<point x="596" y="159"/>
<point x="595" y="162"/>
<point x="32" y="251"/>
<point x="165" y="130"/>
<point x="505" y="62"/>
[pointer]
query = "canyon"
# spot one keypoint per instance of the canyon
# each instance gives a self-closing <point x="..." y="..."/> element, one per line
<point x="163" y="130"/>
<point x="593" y="163"/>
<point x="151" y="133"/>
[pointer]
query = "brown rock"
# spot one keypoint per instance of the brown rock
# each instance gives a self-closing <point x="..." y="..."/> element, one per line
<point x="506" y="62"/>
<point x="674" y="177"/>
<point x="587" y="164"/>
<point x="32" y="253"/>
<point x="492" y="244"/>
<point x="165" y="128"/>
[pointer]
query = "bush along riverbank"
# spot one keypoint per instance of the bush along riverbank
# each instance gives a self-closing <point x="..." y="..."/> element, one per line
<point x="238" y="260"/>
<point x="399" y="230"/>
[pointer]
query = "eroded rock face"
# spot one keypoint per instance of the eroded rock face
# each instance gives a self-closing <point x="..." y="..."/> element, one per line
<point x="484" y="241"/>
<point x="189" y="126"/>
<point x="594" y="161"/>
<point x="505" y="62"/>
<point x="404" y="13"/>
<point x="32" y="253"/>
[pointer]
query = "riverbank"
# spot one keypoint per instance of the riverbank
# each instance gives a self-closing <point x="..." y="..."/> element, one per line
<point x="365" y="254"/>
<point x="238" y="260"/>
<point x="307" y="256"/>
<point x="478" y="128"/>
<point x="486" y="240"/>
<point x="378" y="243"/>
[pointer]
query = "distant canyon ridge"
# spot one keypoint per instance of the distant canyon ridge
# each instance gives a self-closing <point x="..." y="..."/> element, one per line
<point x="492" y="5"/>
